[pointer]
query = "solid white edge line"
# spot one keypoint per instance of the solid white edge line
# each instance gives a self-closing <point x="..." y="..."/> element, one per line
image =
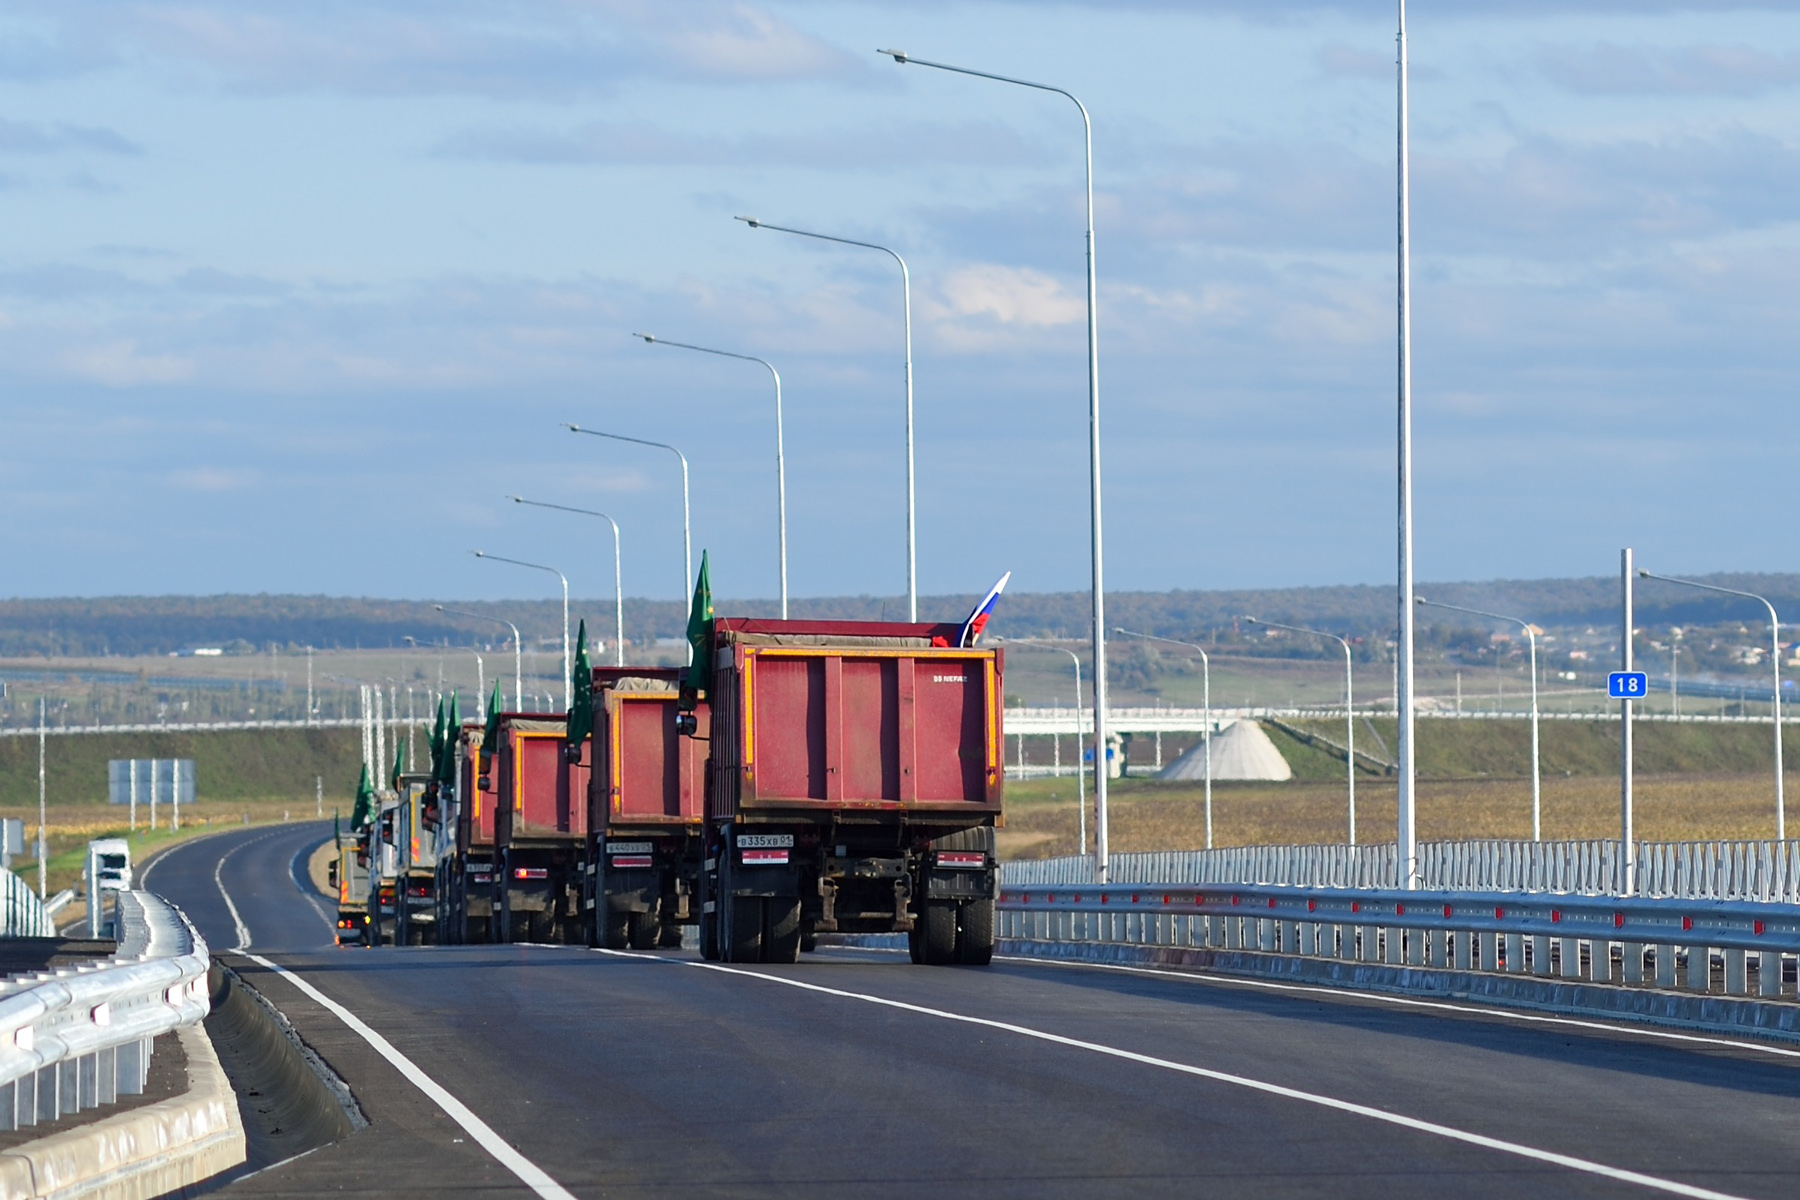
<point x="1478" y="1010"/>
<point x="306" y="894"/>
<point x="1585" y="1166"/>
<point x="529" y="1173"/>
<point x="243" y="930"/>
<point x="1195" y="975"/>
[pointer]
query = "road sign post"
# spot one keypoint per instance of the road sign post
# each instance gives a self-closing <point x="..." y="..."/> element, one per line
<point x="1618" y="680"/>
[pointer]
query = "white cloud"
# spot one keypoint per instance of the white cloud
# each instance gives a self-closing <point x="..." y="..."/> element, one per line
<point x="992" y="294"/>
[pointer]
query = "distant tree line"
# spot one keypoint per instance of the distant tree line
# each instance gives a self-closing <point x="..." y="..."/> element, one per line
<point x="140" y="625"/>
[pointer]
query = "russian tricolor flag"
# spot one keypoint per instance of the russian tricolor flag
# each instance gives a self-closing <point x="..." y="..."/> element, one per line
<point x="971" y="630"/>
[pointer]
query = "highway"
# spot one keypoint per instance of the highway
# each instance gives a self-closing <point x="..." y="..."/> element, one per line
<point x="856" y="1073"/>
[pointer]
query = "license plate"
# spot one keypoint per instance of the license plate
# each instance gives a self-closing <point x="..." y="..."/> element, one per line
<point x="628" y="847"/>
<point x="765" y="841"/>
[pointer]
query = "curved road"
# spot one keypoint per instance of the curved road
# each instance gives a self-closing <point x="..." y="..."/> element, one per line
<point x="857" y="1074"/>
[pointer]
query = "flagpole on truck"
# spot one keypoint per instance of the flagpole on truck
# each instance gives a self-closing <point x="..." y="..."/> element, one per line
<point x="912" y="539"/>
<point x="618" y="574"/>
<point x="1093" y="340"/>
<point x="568" y="693"/>
<point x="780" y="450"/>
<point x="687" y="527"/>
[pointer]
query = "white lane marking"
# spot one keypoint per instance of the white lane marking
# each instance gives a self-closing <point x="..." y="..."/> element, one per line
<point x="1530" y="1018"/>
<point x="306" y="892"/>
<point x="1201" y="977"/>
<point x="1585" y="1166"/>
<point x="529" y="1173"/>
<point x="243" y="931"/>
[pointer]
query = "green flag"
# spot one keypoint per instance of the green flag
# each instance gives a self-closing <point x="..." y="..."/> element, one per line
<point x="399" y="764"/>
<point x="581" y="707"/>
<point x="699" y="630"/>
<point x="490" y="735"/>
<point x="364" y="812"/>
<point x="446" y="765"/>
<point x="437" y="740"/>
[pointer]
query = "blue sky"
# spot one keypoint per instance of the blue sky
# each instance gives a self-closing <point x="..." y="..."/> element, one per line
<point x="292" y="296"/>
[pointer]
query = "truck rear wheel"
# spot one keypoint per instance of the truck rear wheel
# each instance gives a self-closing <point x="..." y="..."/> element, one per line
<point x="975" y="933"/>
<point x="781" y="929"/>
<point x="671" y="937"/>
<point x="615" y="929"/>
<point x="645" y="929"/>
<point x="809" y="938"/>
<point x="938" y="938"/>
<point x="741" y="938"/>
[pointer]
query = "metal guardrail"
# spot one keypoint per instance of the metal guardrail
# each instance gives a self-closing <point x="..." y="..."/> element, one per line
<point x="78" y="1037"/>
<point x="1666" y="942"/>
<point x="22" y="912"/>
<point x="1765" y="872"/>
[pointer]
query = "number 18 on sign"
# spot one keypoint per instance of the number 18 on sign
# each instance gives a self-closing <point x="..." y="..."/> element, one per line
<point x="1627" y="685"/>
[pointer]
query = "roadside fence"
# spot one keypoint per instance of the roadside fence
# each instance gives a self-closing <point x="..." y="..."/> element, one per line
<point x="25" y="914"/>
<point x="1766" y="872"/>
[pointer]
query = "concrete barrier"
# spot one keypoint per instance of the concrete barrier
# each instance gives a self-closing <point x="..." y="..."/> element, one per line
<point x="146" y="1152"/>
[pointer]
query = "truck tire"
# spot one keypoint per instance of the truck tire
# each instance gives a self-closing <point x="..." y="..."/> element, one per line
<point x="741" y="938"/>
<point x="809" y="938"/>
<point x="709" y="937"/>
<point x="938" y="939"/>
<point x="915" y="941"/>
<point x="975" y="933"/>
<point x="671" y="938"/>
<point x="615" y="929"/>
<point x="781" y="929"/>
<point x="645" y="929"/>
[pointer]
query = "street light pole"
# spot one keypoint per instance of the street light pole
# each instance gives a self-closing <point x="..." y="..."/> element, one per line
<point x="1080" y="767"/>
<point x="1349" y="707"/>
<point x="687" y="528"/>
<point x="1097" y="548"/>
<point x="1205" y="700"/>
<point x="1537" y="807"/>
<point x="518" y="654"/>
<point x="1775" y="696"/>
<point x="618" y="572"/>
<point x="780" y="447"/>
<point x="912" y="543"/>
<point x="568" y="684"/>
<point x="1406" y="834"/>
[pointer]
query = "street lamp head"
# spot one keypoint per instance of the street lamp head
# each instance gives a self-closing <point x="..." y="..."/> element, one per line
<point x="648" y="337"/>
<point x="1253" y="620"/>
<point x="1643" y="573"/>
<point x="899" y="56"/>
<point x="572" y="428"/>
<point x="439" y="607"/>
<point x="752" y="222"/>
<point x="516" y="499"/>
<point x="479" y="553"/>
<point x="1420" y="600"/>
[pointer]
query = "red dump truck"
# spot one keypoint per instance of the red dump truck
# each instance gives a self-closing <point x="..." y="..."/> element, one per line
<point x="646" y="808"/>
<point x="465" y="876"/>
<point x="540" y="831"/>
<point x="855" y="786"/>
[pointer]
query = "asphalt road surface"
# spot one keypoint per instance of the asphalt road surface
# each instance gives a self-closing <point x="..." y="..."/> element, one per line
<point x="552" y="1071"/>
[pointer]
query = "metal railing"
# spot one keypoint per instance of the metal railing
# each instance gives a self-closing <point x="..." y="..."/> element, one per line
<point x="24" y="913"/>
<point x="1766" y="872"/>
<point x="78" y="1037"/>
<point x="1661" y="941"/>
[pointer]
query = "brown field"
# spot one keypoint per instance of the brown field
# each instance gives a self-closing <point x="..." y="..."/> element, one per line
<point x="1041" y="814"/>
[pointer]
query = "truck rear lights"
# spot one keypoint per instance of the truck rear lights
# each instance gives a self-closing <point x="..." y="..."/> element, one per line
<point x="765" y="858"/>
<point x="642" y="862"/>
<point x="959" y="860"/>
<point x="531" y="873"/>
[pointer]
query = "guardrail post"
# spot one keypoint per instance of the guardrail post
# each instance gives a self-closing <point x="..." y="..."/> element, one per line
<point x="1631" y="956"/>
<point x="1600" y="961"/>
<point x="1265" y="935"/>
<point x="87" y="1081"/>
<point x="1489" y="943"/>
<point x="1736" y="973"/>
<point x="1768" y="973"/>
<point x="1665" y="965"/>
<point x="106" y="1075"/>
<point x="1515" y="953"/>
<point x="1540" y="954"/>
<point x="1462" y="945"/>
<point x="1290" y="937"/>
<point x="68" y="1095"/>
<point x="1699" y="969"/>
<point x="1438" y="942"/>
<point x="9" y="1108"/>
<point x="1368" y="943"/>
<point x="47" y="1109"/>
<point x="1308" y="943"/>
<point x="1571" y="958"/>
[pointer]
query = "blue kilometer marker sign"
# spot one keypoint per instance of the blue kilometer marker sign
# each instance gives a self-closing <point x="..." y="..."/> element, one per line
<point x="1627" y="685"/>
